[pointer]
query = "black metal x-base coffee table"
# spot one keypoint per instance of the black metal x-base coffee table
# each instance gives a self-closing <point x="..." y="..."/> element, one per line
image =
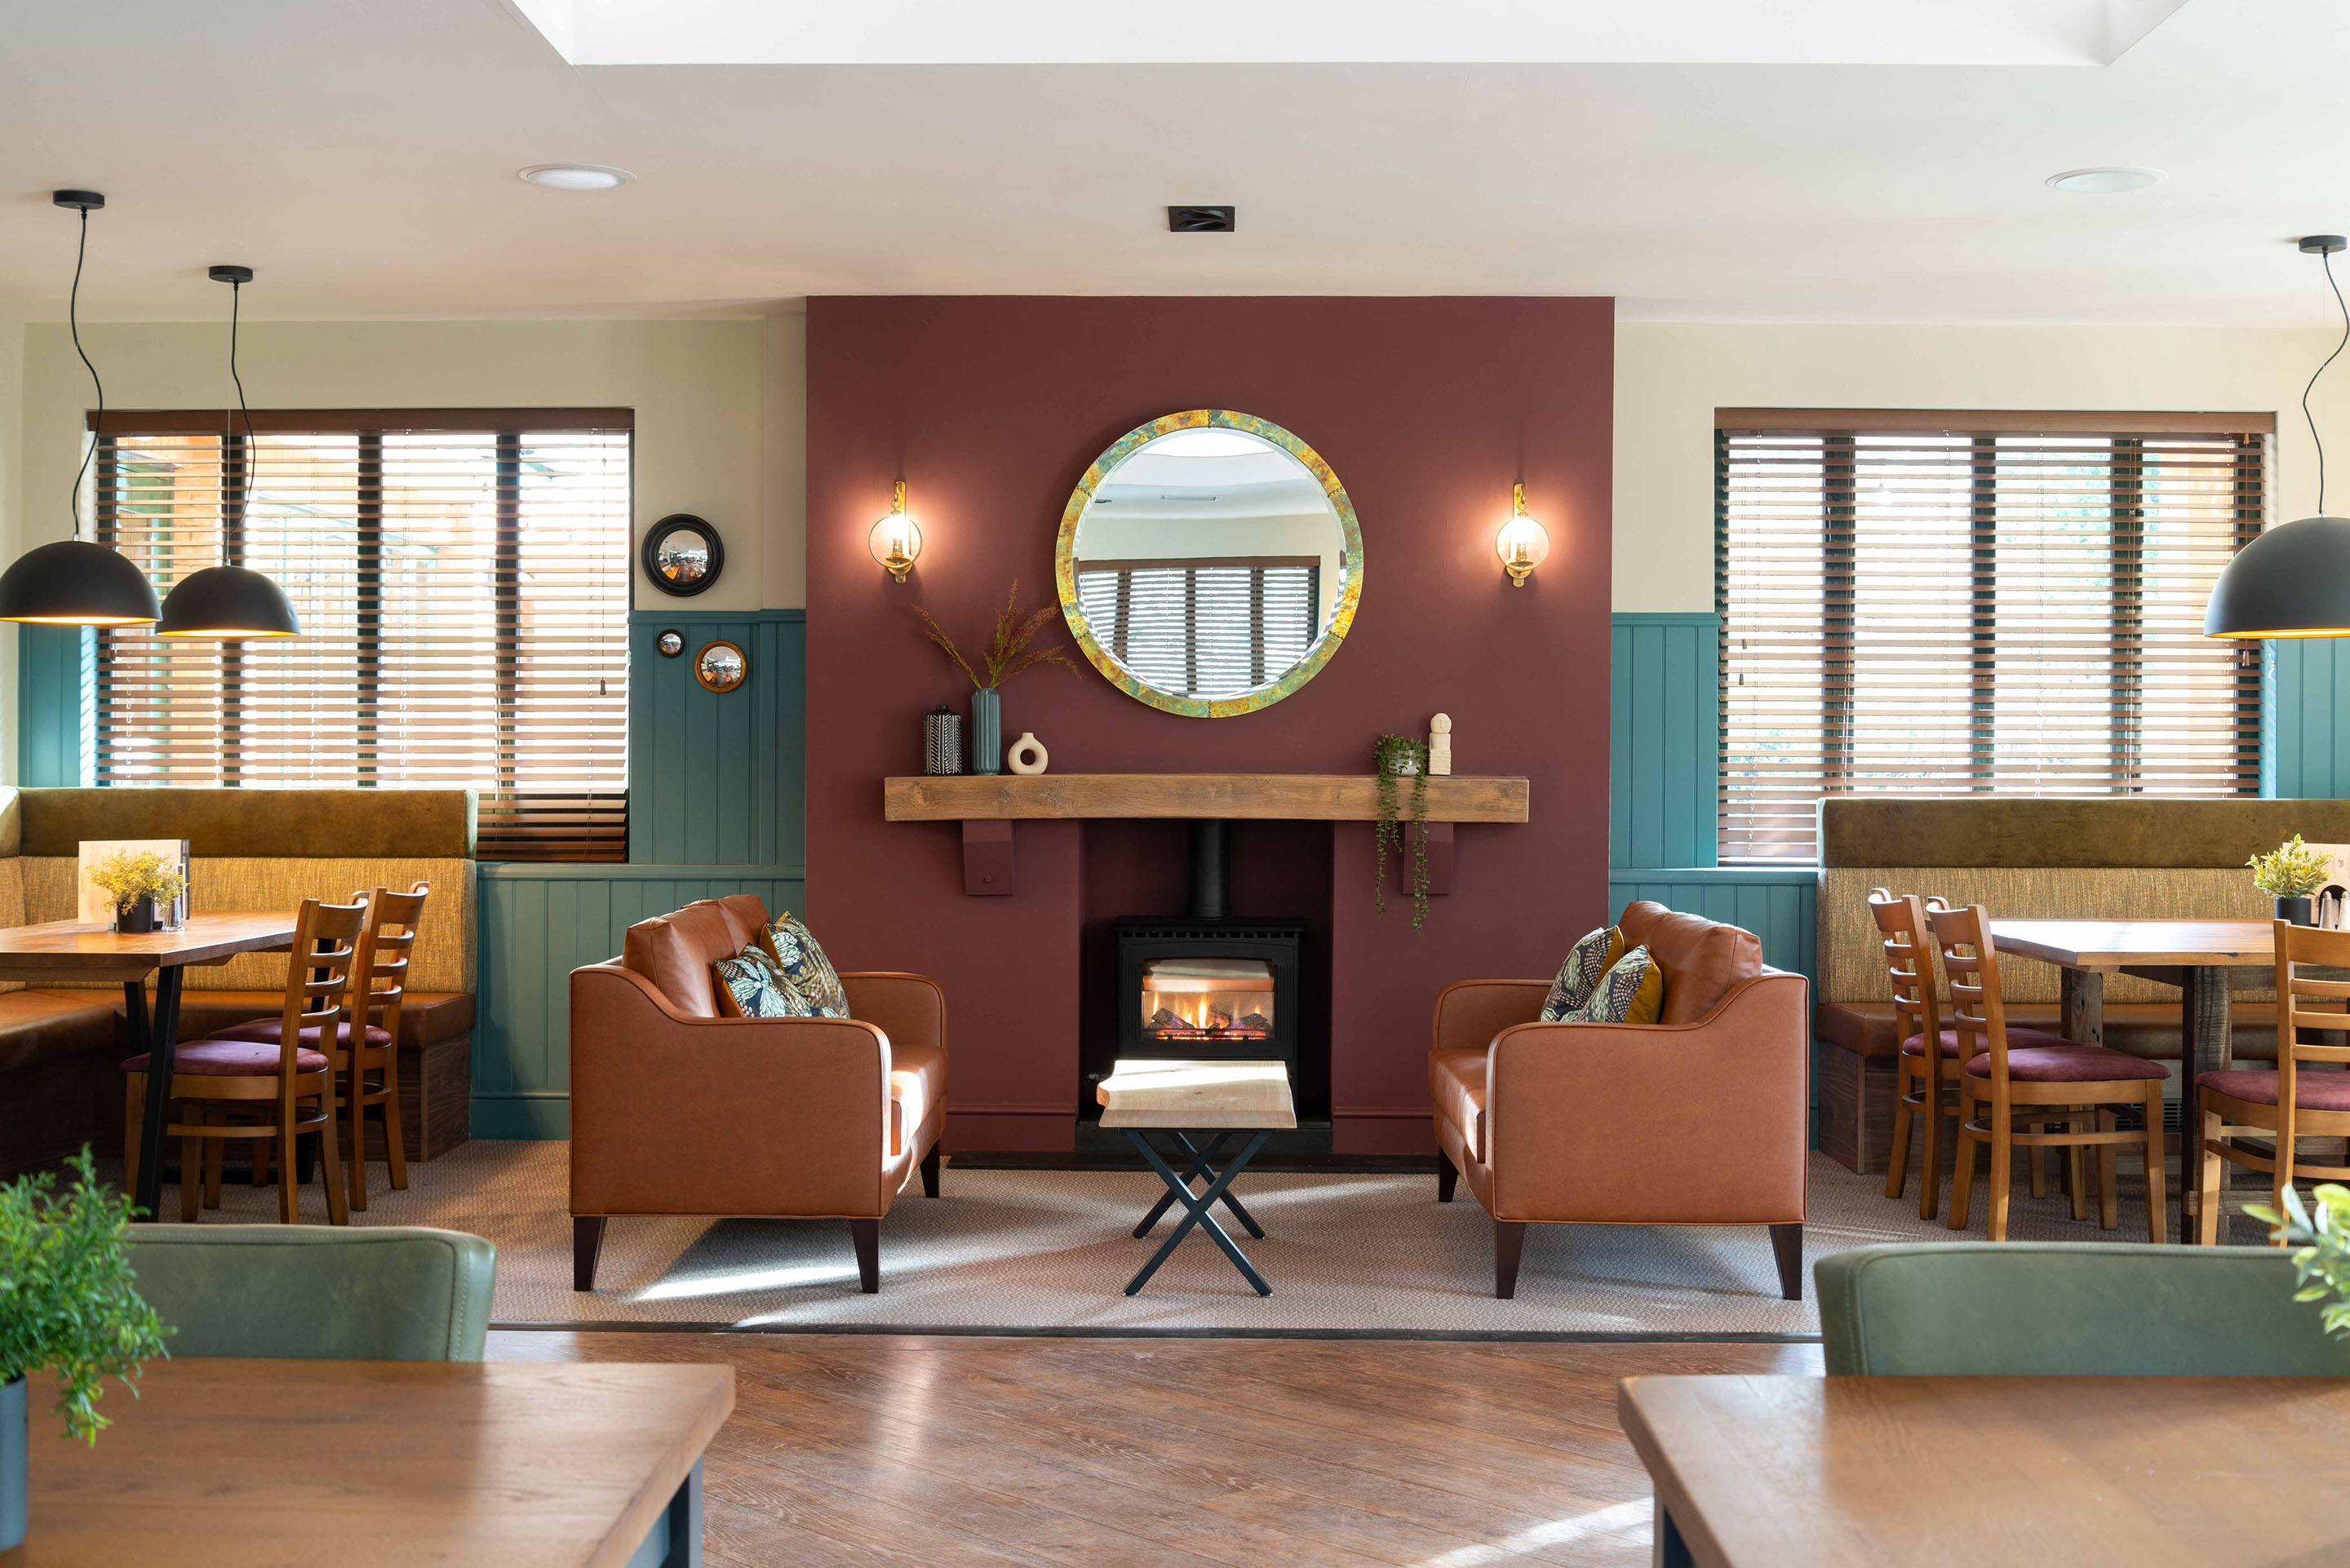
<point x="1228" y="1098"/>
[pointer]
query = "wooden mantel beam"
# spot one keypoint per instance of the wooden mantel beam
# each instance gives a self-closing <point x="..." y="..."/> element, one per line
<point x="1294" y="798"/>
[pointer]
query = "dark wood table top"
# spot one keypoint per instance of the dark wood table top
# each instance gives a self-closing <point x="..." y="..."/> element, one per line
<point x="2134" y="944"/>
<point x="243" y="1463"/>
<point x="83" y="949"/>
<point x="1836" y="1472"/>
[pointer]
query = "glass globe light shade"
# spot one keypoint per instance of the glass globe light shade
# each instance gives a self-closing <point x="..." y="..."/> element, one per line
<point x="896" y="542"/>
<point x="1522" y="544"/>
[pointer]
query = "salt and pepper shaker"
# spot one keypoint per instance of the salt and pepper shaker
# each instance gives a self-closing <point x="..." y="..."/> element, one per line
<point x="1439" y="746"/>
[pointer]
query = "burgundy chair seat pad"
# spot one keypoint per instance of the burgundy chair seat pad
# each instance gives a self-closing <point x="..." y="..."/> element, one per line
<point x="231" y="1059"/>
<point x="2037" y="1039"/>
<point x="2312" y="1091"/>
<point x="268" y="1030"/>
<point x="2065" y="1063"/>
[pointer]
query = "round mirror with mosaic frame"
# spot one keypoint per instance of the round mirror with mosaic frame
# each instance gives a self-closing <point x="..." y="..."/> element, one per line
<point x="1209" y="562"/>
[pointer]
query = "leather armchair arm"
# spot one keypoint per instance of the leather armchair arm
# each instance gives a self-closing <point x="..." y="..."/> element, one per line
<point x="1703" y="1123"/>
<point x="911" y="1008"/>
<point x="1472" y="1012"/>
<point x="672" y="1114"/>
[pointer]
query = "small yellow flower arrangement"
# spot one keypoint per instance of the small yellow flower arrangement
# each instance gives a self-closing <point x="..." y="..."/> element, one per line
<point x="2294" y="871"/>
<point x="144" y="885"/>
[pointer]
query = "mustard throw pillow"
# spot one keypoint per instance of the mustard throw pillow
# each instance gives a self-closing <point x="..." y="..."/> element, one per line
<point x="1579" y="977"/>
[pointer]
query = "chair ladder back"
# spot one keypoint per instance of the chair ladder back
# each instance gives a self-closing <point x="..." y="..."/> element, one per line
<point x="1971" y="963"/>
<point x="379" y="974"/>
<point x="2297" y="946"/>
<point x="318" y="975"/>
<point x="1909" y="965"/>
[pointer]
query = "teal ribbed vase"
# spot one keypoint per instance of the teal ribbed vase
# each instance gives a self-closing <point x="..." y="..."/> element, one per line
<point x="986" y="731"/>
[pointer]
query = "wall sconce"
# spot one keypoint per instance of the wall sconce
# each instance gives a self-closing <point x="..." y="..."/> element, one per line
<point x="896" y="542"/>
<point x="1522" y="544"/>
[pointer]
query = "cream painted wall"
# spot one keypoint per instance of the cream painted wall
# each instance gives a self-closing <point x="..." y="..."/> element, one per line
<point x="1671" y="376"/>
<point x="714" y="403"/>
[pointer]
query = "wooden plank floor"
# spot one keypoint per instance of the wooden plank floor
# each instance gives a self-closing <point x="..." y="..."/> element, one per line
<point x="1099" y="1453"/>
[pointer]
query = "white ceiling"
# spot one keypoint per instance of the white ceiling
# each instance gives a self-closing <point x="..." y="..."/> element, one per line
<point x="360" y="156"/>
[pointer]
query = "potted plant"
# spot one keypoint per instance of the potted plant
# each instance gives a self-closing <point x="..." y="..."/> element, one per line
<point x="68" y="1307"/>
<point x="1006" y="655"/>
<point x="1394" y="757"/>
<point x="143" y="884"/>
<point x="2321" y="1245"/>
<point x="2290" y="875"/>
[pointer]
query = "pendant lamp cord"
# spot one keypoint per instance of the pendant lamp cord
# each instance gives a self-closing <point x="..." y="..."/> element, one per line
<point x="251" y="443"/>
<point x="2328" y="258"/>
<point x="73" y="319"/>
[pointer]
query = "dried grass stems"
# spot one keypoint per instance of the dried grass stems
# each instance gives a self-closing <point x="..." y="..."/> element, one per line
<point x="1007" y="652"/>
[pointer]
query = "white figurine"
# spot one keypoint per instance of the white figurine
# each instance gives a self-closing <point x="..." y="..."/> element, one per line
<point x="1439" y="746"/>
<point x="1026" y="754"/>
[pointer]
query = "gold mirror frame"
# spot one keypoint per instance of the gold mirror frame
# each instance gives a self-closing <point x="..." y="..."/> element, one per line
<point x="719" y="683"/>
<point x="1350" y="566"/>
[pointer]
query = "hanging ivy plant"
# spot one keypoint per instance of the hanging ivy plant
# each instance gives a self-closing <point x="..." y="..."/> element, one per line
<point x="1393" y="757"/>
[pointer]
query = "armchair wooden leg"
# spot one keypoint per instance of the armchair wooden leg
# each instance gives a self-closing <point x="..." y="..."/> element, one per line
<point x="931" y="1172"/>
<point x="1447" y="1174"/>
<point x="1787" y="1249"/>
<point x="1509" y="1241"/>
<point x="587" y="1242"/>
<point x="867" y="1235"/>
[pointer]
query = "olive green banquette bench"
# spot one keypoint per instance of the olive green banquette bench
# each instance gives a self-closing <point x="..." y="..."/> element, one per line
<point x="2023" y="859"/>
<point x="60" y="1045"/>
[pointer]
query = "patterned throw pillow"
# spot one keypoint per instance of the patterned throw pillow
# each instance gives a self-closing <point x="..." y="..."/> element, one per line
<point x="752" y="985"/>
<point x="1631" y="992"/>
<point x="1579" y="977"/>
<point x="794" y="948"/>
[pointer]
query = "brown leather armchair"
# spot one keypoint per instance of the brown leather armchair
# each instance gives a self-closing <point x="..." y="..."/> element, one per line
<point x="1701" y="1119"/>
<point x="678" y="1110"/>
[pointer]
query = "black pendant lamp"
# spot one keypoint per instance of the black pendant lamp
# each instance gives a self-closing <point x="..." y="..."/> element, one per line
<point x="77" y="582"/>
<point x="227" y="602"/>
<point x="2294" y="581"/>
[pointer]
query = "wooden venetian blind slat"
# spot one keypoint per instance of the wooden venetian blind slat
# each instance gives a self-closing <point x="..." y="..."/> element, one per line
<point x="2017" y="609"/>
<point x="464" y="597"/>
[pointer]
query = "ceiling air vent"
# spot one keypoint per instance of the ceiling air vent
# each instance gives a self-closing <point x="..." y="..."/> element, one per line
<point x="1200" y="220"/>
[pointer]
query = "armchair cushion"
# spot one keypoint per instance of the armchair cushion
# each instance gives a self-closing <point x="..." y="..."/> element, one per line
<point x="674" y="951"/>
<point x="1579" y="976"/>
<point x="796" y="950"/>
<point x="1456" y="1083"/>
<point x="918" y="1084"/>
<point x="1702" y="960"/>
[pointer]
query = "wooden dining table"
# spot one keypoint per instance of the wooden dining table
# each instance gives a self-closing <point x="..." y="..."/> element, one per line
<point x="85" y="951"/>
<point x="1842" y="1472"/>
<point x="2196" y="956"/>
<point x="242" y="1464"/>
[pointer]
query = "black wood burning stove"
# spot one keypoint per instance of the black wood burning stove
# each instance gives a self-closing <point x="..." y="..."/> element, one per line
<point x="1208" y="985"/>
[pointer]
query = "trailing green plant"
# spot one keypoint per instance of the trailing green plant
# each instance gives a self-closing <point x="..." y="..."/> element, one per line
<point x="135" y="873"/>
<point x="1390" y="755"/>
<point x="1007" y="652"/>
<point x="2320" y="1239"/>
<point x="68" y="1304"/>
<point x="2294" y="871"/>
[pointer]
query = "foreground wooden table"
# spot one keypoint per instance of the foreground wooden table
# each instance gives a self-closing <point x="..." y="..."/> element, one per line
<point x="1837" y="1471"/>
<point x="1178" y="1097"/>
<point x="80" y="950"/>
<point x="2193" y="955"/>
<point x="250" y="1464"/>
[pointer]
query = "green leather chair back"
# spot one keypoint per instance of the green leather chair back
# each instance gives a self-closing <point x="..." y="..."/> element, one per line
<point x="2082" y="1308"/>
<point x="309" y="1291"/>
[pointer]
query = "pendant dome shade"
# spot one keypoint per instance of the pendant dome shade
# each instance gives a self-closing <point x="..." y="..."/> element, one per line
<point x="76" y="583"/>
<point x="227" y="602"/>
<point x="2292" y="581"/>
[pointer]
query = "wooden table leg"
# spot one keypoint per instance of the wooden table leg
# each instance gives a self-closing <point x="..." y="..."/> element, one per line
<point x="161" y="1034"/>
<point x="2084" y="991"/>
<point x="2205" y="1046"/>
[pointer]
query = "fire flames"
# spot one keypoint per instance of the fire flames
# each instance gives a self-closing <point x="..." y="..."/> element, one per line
<point x="1203" y="1016"/>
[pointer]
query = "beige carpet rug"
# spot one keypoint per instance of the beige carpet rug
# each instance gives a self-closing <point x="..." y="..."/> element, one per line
<point x="1053" y="1250"/>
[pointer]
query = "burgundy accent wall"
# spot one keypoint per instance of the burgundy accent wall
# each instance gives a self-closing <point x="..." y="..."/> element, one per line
<point x="1427" y="409"/>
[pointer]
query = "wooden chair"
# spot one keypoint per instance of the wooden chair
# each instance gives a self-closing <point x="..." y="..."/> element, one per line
<point x="281" y="1089"/>
<point x="2047" y="1080"/>
<point x="379" y="982"/>
<point x="1917" y="1085"/>
<point x="2280" y="1107"/>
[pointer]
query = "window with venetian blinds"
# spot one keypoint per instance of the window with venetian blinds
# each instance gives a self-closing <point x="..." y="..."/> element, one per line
<point x="1992" y="604"/>
<point x="1203" y="627"/>
<point x="462" y="578"/>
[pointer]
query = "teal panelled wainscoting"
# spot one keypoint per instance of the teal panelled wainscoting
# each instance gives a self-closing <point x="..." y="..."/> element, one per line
<point x="1663" y="740"/>
<point x="538" y="924"/>
<point x="2305" y="718"/>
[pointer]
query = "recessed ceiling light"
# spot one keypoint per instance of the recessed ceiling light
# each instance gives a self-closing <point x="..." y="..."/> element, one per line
<point x="2104" y="182"/>
<point x="576" y="176"/>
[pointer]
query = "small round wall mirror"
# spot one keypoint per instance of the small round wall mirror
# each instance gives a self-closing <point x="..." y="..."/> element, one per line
<point x="1210" y="563"/>
<point x="671" y="643"/>
<point x="682" y="554"/>
<point x="720" y="666"/>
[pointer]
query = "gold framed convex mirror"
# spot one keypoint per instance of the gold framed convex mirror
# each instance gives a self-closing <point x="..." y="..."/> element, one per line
<point x="1209" y="562"/>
